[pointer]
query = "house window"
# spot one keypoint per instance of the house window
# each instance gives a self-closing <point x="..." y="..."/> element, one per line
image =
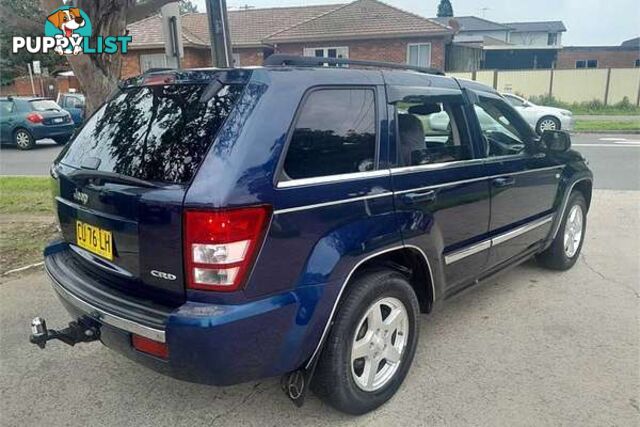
<point x="588" y="63"/>
<point x="552" y="39"/>
<point x="341" y="52"/>
<point x="152" y="60"/>
<point x="419" y="54"/>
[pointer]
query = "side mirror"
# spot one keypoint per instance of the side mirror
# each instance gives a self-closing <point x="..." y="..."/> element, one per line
<point x="556" y="141"/>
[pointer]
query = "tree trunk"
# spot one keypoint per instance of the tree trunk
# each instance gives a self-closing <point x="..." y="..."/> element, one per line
<point x="98" y="74"/>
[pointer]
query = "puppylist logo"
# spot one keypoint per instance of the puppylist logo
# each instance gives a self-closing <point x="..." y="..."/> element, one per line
<point x="67" y="31"/>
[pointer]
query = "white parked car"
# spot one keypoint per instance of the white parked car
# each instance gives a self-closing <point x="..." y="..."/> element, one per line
<point x="539" y="117"/>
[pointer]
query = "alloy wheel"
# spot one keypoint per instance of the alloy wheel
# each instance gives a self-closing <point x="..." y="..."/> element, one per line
<point x="573" y="231"/>
<point x="23" y="140"/>
<point x="548" y="124"/>
<point x="379" y="343"/>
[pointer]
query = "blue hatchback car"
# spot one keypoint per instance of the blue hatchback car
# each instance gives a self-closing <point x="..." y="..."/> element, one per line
<point x="294" y="220"/>
<point x="25" y="120"/>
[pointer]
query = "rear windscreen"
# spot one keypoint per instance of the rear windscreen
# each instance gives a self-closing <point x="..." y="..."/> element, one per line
<point x="44" y="105"/>
<point x="154" y="133"/>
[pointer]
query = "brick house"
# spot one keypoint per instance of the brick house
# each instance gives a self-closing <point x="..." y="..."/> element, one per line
<point x="627" y="55"/>
<point x="363" y="29"/>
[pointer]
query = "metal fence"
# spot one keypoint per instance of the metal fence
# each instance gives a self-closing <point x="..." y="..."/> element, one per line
<point x="608" y="85"/>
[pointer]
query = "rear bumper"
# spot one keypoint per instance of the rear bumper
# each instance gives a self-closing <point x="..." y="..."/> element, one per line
<point x="208" y="343"/>
<point x="51" y="131"/>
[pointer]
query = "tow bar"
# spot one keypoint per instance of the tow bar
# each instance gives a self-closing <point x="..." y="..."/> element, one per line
<point x="84" y="329"/>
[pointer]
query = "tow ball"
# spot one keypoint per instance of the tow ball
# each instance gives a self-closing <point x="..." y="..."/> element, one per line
<point x="83" y="329"/>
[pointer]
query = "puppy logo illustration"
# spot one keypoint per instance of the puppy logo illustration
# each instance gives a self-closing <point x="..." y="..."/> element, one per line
<point x="68" y="23"/>
<point x="67" y="31"/>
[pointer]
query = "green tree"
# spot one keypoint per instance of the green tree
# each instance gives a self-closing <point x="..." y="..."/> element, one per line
<point x="186" y="6"/>
<point x="445" y="9"/>
<point x="97" y="73"/>
<point x="22" y="14"/>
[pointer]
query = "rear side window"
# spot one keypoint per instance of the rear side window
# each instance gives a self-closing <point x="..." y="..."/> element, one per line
<point x="335" y="133"/>
<point x="6" y="107"/>
<point x="155" y="133"/>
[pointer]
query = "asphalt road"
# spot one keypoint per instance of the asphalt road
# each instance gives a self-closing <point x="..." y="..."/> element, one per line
<point x="533" y="348"/>
<point x="615" y="159"/>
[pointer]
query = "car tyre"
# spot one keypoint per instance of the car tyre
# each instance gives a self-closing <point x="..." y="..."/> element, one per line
<point x="547" y="123"/>
<point x="61" y="140"/>
<point x="342" y="378"/>
<point x="23" y="139"/>
<point x="566" y="246"/>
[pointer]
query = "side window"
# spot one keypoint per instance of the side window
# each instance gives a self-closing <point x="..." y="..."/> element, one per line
<point x="432" y="130"/>
<point x="6" y="107"/>
<point x="503" y="131"/>
<point x="335" y="133"/>
<point x="516" y="102"/>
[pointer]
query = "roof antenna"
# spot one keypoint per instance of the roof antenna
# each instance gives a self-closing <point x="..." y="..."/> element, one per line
<point x="483" y="11"/>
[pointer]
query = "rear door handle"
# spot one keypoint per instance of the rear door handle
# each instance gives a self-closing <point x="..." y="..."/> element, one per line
<point x="417" y="197"/>
<point x="504" y="181"/>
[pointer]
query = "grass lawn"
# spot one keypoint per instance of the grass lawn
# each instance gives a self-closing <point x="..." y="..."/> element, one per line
<point x="28" y="195"/>
<point x="606" y="126"/>
<point x="26" y="220"/>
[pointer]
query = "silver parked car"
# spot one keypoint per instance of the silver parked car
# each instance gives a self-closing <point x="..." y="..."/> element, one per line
<point x="539" y="117"/>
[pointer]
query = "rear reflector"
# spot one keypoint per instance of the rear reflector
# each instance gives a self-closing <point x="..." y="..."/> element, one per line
<point x="149" y="346"/>
<point x="221" y="246"/>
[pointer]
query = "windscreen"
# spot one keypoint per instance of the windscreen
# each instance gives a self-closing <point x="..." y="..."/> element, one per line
<point x="155" y="133"/>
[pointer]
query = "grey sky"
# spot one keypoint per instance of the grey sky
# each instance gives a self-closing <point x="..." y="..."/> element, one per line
<point x="588" y="22"/>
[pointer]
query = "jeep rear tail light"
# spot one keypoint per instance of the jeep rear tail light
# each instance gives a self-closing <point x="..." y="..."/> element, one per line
<point x="221" y="246"/>
<point x="35" y="118"/>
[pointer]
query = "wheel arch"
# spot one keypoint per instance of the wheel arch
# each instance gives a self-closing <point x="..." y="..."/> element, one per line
<point x="408" y="260"/>
<point x="585" y="186"/>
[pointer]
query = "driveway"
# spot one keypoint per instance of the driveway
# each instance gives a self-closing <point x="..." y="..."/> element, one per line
<point x="533" y="347"/>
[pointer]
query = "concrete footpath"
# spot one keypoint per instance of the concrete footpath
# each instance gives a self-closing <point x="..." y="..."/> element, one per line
<point x="533" y="348"/>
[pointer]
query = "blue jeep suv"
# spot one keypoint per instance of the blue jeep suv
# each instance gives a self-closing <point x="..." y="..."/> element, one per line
<point x="224" y="225"/>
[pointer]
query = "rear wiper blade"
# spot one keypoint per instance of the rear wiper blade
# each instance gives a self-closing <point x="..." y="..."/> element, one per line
<point x="114" y="177"/>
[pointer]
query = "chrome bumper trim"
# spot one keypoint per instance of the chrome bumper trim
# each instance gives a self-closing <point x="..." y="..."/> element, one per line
<point x="105" y="317"/>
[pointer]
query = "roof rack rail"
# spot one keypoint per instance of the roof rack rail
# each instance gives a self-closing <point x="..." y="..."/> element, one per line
<point x="314" y="61"/>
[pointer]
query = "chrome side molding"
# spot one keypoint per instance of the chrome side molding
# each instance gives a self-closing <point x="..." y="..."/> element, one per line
<point x="494" y="241"/>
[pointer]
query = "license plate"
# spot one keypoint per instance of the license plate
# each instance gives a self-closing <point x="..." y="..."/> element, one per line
<point x="94" y="239"/>
<point x="59" y="120"/>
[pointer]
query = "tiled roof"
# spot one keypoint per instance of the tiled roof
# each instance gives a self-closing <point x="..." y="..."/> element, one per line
<point x="247" y="27"/>
<point x="254" y="27"/>
<point x="538" y="26"/>
<point x="473" y="23"/>
<point x="360" y="19"/>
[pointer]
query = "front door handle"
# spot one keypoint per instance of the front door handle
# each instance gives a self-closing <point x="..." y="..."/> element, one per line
<point x="504" y="181"/>
<point x="418" y="197"/>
